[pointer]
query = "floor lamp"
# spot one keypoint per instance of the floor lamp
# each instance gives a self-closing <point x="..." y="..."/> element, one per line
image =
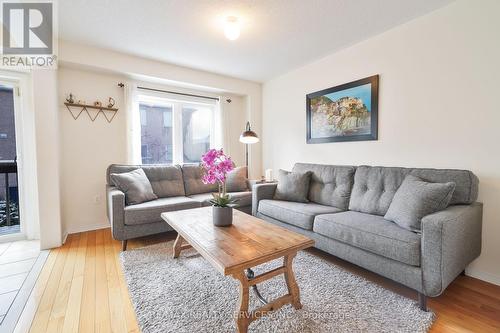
<point x="248" y="137"/>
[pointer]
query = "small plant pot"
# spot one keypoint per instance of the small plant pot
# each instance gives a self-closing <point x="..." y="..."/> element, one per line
<point x="222" y="216"/>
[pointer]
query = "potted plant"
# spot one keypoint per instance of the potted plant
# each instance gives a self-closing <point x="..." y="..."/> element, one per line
<point x="217" y="165"/>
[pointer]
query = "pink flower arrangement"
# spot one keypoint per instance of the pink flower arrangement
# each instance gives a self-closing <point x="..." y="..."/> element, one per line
<point x="217" y="165"/>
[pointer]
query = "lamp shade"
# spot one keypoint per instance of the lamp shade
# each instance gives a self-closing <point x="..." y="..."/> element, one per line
<point x="249" y="136"/>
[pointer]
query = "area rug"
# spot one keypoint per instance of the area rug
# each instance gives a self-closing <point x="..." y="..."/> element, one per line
<point x="188" y="295"/>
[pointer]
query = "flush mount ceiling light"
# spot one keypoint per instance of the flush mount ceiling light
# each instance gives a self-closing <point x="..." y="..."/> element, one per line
<point x="232" y="28"/>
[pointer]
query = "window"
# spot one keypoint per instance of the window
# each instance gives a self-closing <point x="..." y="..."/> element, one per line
<point x="167" y="119"/>
<point x="144" y="152"/>
<point x="156" y="139"/>
<point x="144" y="118"/>
<point x="196" y="128"/>
<point x="175" y="131"/>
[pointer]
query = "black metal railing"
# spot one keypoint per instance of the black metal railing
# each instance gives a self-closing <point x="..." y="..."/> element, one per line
<point x="9" y="204"/>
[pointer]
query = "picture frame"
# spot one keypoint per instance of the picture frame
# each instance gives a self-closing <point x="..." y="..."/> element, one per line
<point x="347" y="112"/>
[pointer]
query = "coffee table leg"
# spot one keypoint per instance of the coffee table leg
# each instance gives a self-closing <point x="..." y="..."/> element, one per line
<point x="178" y="246"/>
<point x="293" y="288"/>
<point x="243" y="316"/>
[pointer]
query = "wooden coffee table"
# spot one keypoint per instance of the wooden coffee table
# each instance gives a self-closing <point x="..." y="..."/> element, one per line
<point x="234" y="250"/>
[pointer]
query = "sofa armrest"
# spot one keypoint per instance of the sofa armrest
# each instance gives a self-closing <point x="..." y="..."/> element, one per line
<point x="261" y="192"/>
<point x="251" y="183"/>
<point x="115" y="202"/>
<point x="451" y="239"/>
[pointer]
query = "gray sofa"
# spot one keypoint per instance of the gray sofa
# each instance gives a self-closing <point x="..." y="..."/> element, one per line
<point x="177" y="187"/>
<point x="345" y="212"/>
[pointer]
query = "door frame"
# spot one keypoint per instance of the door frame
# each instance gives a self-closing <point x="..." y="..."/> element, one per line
<point x="26" y="155"/>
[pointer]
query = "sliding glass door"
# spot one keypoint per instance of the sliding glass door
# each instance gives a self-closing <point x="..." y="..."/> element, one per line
<point x="10" y="221"/>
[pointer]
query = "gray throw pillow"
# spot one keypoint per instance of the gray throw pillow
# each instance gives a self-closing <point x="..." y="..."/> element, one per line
<point x="416" y="198"/>
<point x="135" y="185"/>
<point x="292" y="186"/>
<point x="236" y="180"/>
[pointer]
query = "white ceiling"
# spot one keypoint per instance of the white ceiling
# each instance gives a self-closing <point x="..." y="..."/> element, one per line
<point x="277" y="35"/>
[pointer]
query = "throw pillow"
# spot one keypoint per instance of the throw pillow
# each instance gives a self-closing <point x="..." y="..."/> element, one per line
<point x="292" y="186"/>
<point x="236" y="180"/>
<point x="135" y="185"/>
<point x="416" y="198"/>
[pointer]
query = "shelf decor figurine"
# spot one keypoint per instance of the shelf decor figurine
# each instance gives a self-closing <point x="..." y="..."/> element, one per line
<point x="70" y="99"/>
<point x="111" y="102"/>
<point x="217" y="165"/>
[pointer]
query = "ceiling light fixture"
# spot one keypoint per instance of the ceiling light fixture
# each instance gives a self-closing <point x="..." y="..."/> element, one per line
<point x="232" y="28"/>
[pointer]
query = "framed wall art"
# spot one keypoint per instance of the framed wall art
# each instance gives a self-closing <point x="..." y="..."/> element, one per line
<point x="348" y="112"/>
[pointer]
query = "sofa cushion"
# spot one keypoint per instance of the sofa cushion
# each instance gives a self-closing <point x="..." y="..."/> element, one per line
<point x="296" y="213"/>
<point x="135" y="185"/>
<point x="374" y="187"/>
<point x="372" y="233"/>
<point x="166" y="180"/>
<point x="466" y="182"/>
<point x="330" y="184"/>
<point x="149" y="212"/>
<point x="244" y="198"/>
<point x="119" y="168"/>
<point x="416" y="198"/>
<point x="192" y="174"/>
<point x="236" y="180"/>
<point x="292" y="186"/>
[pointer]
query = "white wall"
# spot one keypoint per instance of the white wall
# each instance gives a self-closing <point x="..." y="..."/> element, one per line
<point x="438" y="106"/>
<point x="88" y="148"/>
<point x="237" y="118"/>
<point x="44" y="84"/>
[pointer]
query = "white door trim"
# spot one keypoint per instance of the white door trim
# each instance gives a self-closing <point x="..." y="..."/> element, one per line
<point x="26" y="154"/>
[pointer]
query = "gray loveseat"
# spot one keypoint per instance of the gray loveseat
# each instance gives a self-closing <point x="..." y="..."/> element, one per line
<point x="177" y="187"/>
<point x="345" y="212"/>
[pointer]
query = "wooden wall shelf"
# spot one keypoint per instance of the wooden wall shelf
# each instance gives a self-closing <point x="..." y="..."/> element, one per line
<point x="85" y="107"/>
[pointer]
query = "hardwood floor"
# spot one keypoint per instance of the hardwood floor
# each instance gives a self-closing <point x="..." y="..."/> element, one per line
<point x="82" y="289"/>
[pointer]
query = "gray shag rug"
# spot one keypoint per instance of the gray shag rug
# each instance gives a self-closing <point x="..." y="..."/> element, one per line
<point x="189" y="295"/>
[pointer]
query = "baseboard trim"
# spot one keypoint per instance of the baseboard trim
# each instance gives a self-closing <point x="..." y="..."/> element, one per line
<point x="482" y="275"/>
<point x="88" y="228"/>
<point x="65" y="236"/>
